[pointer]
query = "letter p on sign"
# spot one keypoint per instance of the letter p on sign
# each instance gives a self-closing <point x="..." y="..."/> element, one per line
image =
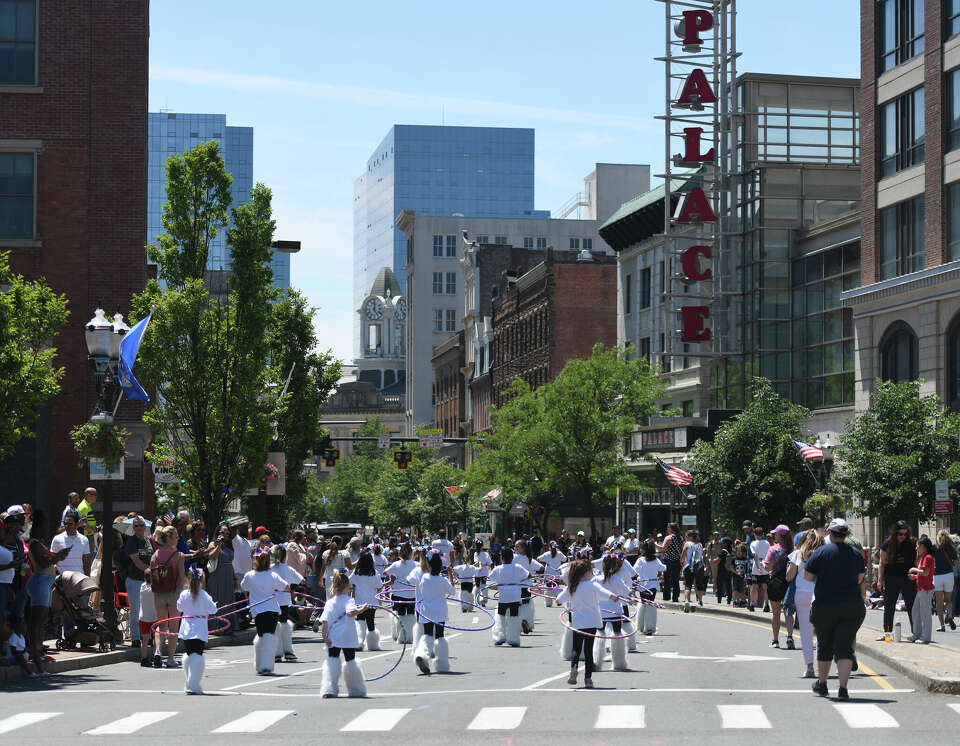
<point x="689" y="28"/>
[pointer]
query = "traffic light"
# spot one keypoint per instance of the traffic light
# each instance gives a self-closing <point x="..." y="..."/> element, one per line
<point x="330" y="457"/>
<point x="402" y="459"/>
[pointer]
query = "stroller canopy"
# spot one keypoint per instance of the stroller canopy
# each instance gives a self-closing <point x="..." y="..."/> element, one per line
<point x="75" y="584"/>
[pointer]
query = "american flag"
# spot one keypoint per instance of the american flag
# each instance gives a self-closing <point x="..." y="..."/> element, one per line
<point x="675" y="475"/>
<point x="807" y="452"/>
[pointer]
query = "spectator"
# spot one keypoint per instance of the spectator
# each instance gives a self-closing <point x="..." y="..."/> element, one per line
<point x="922" y="575"/>
<point x="803" y="599"/>
<point x="711" y="553"/>
<point x="7" y="568"/>
<point x="40" y="587"/>
<point x="945" y="562"/>
<point x="896" y="558"/>
<point x="88" y="520"/>
<point x="670" y="554"/>
<point x="167" y="578"/>
<point x="73" y="502"/>
<point x="198" y="545"/>
<point x="242" y="551"/>
<point x="725" y="558"/>
<point x="78" y="559"/>
<point x="147" y="618"/>
<point x="18" y="590"/>
<point x="220" y="577"/>
<point x="27" y="521"/>
<point x="759" y="548"/>
<point x="694" y="570"/>
<point x="805" y="524"/>
<point x="837" y="570"/>
<point x="298" y="556"/>
<point x="137" y="549"/>
<point x="739" y="574"/>
<point x="778" y="557"/>
<point x="333" y="560"/>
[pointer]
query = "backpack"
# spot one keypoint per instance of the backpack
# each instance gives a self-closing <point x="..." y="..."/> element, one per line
<point x="163" y="578"/>
<point x="695" y="560"/>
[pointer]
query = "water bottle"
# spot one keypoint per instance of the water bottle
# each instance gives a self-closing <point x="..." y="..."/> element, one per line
<point x="896" y="631"/>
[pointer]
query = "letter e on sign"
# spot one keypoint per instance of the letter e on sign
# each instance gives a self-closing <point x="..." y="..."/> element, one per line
<point x="694" y="318"/>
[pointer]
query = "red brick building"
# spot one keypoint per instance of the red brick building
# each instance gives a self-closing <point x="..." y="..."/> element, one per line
<point x="449" y="394"/>
<point x="73" y="133"/>
<point x="556" y="311"/>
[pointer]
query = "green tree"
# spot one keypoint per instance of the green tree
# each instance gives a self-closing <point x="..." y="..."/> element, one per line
<point x="890" y="455"/>
<point x="350" y="491"/>
<point x="31" y="316"/>
<point x="751" y="468"/>
<point x="213" y="416"/>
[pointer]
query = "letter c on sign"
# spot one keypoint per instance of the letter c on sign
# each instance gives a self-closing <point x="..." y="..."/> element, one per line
<point x="689" y="263"/>
<point x="694" y="318"/>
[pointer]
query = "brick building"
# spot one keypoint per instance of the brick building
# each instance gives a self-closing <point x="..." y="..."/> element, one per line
<point x="556" y="311"/>
<point x="73" y="134"/>
<point x="449" y="393"/>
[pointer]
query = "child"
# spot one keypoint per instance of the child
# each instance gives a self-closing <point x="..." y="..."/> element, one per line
<point x="195" y="605"/>
<point x="148" y="617"/>
<point x="366" y="582"/>
<point x="340" y="634"/>
<point x="432" y="592"/>
<point x="403" y="593"/>
<point x="738" y="578"/>
<point x="380" y="562"/>
<point x="263" y="585"/>
<point x="649" y="571"/>
<point x="16" y="644"/>
<point x="582" y="597"/>
<point x="284" y="644"/>
<point x="508" y="577"/>
<point x="551" y="560"/>
<point x="522" y="558"/>
<point x="922" y="574"/>
<point x="483" y="563"/>
<point x="466" y="573"/>
<point x="612" y="614"/>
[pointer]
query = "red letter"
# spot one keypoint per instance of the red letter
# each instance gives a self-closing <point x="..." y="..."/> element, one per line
<point x="696" y="208"/>
<point x="689" y="263"/>
<point x="693" y="323"/>
<point x="696" y="92"/>
<point x="694" y="21"/>
<point x="691" y="146"/>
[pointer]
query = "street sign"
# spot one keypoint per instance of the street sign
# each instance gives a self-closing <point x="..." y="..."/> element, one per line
<point x="163" y="474"/>
<point x="99" y="473"/>
<point x="688" y="520"/>
<point x="942" y="504"/>
<point x="383" y="442"/>
<point x="431" y="438"/>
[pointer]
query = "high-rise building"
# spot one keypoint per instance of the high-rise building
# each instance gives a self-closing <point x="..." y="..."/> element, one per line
<point x="172" y="133"/>
<point x="433" y="170"/>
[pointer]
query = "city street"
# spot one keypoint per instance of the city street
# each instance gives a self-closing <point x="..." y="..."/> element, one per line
<point x="701" y="676"/>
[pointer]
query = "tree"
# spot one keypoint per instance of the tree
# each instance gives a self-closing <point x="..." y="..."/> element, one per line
<point x="31" y="316"/>
<point x="350" y="491"/>
<point x="890" y="455"/>
<point x="206" y="355"/>
<point x="751" y="468"/>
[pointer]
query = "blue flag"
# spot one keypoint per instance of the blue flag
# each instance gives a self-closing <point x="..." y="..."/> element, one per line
<point x="129" y="346"/>
<point x="325" y="500"/>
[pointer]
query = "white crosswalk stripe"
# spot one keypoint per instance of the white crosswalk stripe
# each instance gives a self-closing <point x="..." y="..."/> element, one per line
<point x="497" y="718"/>
<point x="743" y="716"/>
<point x="255" y="722"/>
<point x="865" y="716"/>
<point x="377" y="720"/>
<point x="23" y="719"/>
<point x="955" y="708"/>
<point x="130" y="724"/>
<point x="620" y="716"/>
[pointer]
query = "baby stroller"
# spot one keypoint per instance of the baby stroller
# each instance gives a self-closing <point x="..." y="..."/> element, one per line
<point x="87" y="630"/>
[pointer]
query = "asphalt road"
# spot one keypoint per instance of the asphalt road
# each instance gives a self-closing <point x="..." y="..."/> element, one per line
<point x="701" y="677"/>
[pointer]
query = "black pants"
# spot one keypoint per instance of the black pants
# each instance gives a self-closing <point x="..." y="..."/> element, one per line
<point x="284" y="614"/>
<point x="348" y="653"/>
<point x="466" y="585"/>
<point x="404" y="607"/>
<point x="513" y="608"/>
<point x="433" y="629"/>
<point x="836" y="626"/>
<point x="671" y="580"/>
<point x="367" y="616"/>
<point x="723" y="585"/>
<point x="266" y="622"/>
<point x="194" y="646"/>
<point x="617" y="625"/>
<point x="582" y="642"/>
<point x="525" y="597"/>
<point x="894" y="585"/>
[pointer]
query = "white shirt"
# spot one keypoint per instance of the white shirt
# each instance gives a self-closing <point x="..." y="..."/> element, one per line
<point x="584" y="604"/>
<point x="647" y="571"/>
<point x="380" y="563"/>
<point x="336" y="562"/>
<point x="365" y="588"/>
<point x="759" y="548"/>
<point x="292" y="577"/>
<point x="242" y="555"/>
<point x="612" y="540"/>
<point x="446" y="547"/>
<point x="509" y="578"/>
<point x="263" y="588"/>
<point x="552" y="561"/>
<point x="615" y="584"/>
<point x="17" y="643"/>
<point x="631" y="545"/>
<point x="802" y="583"/>
<point x="528" y="564"/>
<point x="6" y="557"/>
<point x="432" y="593"/>
<point x="193" y="625"/>
<point x="341" y="630"/>
<point x="466" y="572"/>
<point x="148" y="609"/>
<point x="74" y="560"/>
<point x="403" y="570"/>
<point x="483" y="558"/>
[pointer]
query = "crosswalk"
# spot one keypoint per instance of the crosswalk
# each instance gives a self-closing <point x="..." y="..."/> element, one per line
<point x="854" y="715"/>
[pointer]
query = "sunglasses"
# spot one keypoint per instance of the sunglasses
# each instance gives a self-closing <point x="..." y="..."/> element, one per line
<point x="903" y="533"/>
<point x="68" y="523"/>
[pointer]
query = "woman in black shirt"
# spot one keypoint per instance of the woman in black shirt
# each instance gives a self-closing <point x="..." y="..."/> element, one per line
<point x="898" y="555"/>
<point x="944" y="562"/>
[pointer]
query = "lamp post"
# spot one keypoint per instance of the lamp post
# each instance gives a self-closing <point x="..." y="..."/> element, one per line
<point x="103" y="338"/>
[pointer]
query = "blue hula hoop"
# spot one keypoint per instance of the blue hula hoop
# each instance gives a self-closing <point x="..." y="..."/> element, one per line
<point x="419" y="609"/>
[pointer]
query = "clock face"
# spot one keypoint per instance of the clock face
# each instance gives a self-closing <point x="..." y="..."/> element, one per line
<point x="401" y="310"/>
<point x="374" y="309"/>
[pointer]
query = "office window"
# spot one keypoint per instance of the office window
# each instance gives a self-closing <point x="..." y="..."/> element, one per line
<point x="437" y="247"/>
<point x="663" y="280"/>
<point x="438" y="283"/>
<point x="588" y="243"/>
<point x="687" y="408"/>
<point x="451" y="246"/>
<point x="646" y="287"/>
<point x="451" y="316"/>
<point x="438" y="319"/>
<point x="953" y="108"/>
<point x="645" y="348"/>
<point x="483" y="239"/>
<point x="574" y="243"/>
<point x="528" y="242"/>
<point x="500" y="240"/>
<point x="898" y="354"/>
<point x="16" y="194"/>
<point x="18" y="29"/>
<point x="541" y="242"/>
<point x="628" y="294"/>
<point x="451" y="283"/>
<point x="901" y="133"/>
<point x="951" y="12"/>
<point x="900" y="32"/>
<point x="953" y="365"/>
<point x="953" y="221"/>
<point x="901" y="240"/>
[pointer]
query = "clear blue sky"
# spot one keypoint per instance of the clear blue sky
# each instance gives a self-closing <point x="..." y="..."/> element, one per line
<point x="321" y="82"/>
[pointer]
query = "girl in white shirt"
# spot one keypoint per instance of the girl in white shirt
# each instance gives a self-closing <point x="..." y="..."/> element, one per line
<point x="508" y="577"/>
<point x="649" y="569"/>
<point x="148" y="615"/>
<point x="432" y="592"/>
<point x="287" y="610"/>
<point x="551" y="560"/>
<point x="466" y="574"/>
<point x="403" y="592"/>
<point x="483" y="563"/>
<point x="366" y="582"/>
<point x="340" y="635"/>
<point x="263" y="585"/>
<point x="195" y="605"/>
<point x="380" y="561"/>
<point x="808" y="544"/>
<point x="620" y="583"/>
<point x="526" y="600"/>
<point x="582" y="598"/>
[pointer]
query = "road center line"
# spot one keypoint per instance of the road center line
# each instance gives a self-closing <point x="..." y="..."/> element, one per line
<point x="545" y="681"/>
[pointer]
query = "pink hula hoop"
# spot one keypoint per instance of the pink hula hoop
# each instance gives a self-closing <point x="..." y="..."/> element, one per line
<point x="451" y="599"/>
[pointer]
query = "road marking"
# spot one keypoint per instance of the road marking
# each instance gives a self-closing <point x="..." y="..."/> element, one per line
<point x="497" y="718"/>
<point x="550" y="690"/>
<point x="255" y="722"/>
<point x="620" y="716"/>
<point x="475" y="620"/>
<point x="875" y="677"/>
<point x="720" y="658"/>
<point x="381" y="720"/>
<point x="25" y="718"/>
<point x="865" y="716"/>
<point x="131" y="724"/>
<point x="546" y="681"/>
<point x="743" y="716"/>
<point x="955" y="708"/>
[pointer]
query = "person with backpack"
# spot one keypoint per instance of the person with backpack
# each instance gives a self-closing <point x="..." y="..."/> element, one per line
<point x="167" y="578"/>
<point x="694" y="570"/>
<point x="196" y="606"/>
<point x="725" y="558"/>
<point x="776" y="561"/>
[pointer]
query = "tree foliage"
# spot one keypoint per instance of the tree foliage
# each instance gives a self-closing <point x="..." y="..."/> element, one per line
<point x="31" y="316"/>
<point x="751" y="468"/>
<point x="890" y="455"/>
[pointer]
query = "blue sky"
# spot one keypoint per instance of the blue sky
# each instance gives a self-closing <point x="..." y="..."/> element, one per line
<point x="322" y="82"/>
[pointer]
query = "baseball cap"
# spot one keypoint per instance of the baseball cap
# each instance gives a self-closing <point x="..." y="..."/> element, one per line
<point x="631" y="530"/>
<point x="260" y="530"/>
<point x="747" y="524"/>
<point x="781" y="529"/>
<point x="838" y="526"/>
<point x="15" y="510"/>
<point x="580" y="533"/>
<point x="805" y="521"/>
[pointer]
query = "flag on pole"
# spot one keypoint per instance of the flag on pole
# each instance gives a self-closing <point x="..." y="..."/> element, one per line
<point x="807" y="452"/>
<point x="675" y="475"/>
<point x="452" y="490"/>
<point x="129" y="346"/>
<point x="325" y="500"/>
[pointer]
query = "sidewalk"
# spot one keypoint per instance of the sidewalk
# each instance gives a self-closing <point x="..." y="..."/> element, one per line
<point x="934" y="667"/>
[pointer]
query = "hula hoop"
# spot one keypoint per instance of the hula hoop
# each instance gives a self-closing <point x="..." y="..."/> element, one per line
<point x="450" y="599"/>
<point x="566" y="612"/>
<point x="403" y="650"/>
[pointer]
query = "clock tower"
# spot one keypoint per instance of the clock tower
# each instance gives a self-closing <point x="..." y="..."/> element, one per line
<point x="383" y="318"/>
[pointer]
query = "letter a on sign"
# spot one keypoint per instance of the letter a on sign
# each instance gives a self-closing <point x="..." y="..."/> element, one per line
<point x="696" y="91"/>
<point x="694" y="329"/>
<point x="696" y="208"/>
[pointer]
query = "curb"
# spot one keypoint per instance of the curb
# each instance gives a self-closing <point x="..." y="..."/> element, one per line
<point x="929" y="680"/>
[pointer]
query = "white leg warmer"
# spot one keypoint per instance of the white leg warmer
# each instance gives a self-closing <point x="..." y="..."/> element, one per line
<point x="257" y="654"/>
<point x="407" y="623"/>
<point x="632" y="639"/>
<point x="361" y="635"/>
<point x="526" y="613"/>
<point x="499" y="630"/>
<point x="417" y="633"/>
<point x="650" y="618"/>
<point x="477" y="595"/>
<point x="286" y="635"/>
<point x="566" y="645"/>
<point x="394" y="628"/>
<point x="513" y="631"/>
<point x="465" y="596"/>
<point x="618" y="651"/>
<point x="268" y="646"/>
<point x="330" y="680"/>
<point x="353" y="678"/>
<point x="551" y="594"/>
<point x="599" y="652"/>
<point x="373" y="640"/>
<point x="443" y="655"/>
<point x="421" y="655"/>
<point x="193" y="672"/>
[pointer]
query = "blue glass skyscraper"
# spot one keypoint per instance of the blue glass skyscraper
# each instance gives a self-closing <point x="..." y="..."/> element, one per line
<point x="433" y="170"/>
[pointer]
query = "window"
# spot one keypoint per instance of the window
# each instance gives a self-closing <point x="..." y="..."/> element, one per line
<point x="628" y="294"/>
<point x="953" y="221"/>
<point x="687" y="408"/>
<point x="900" y="33"/>
<point x="500" y="240"/>
<point x="574" y="243"/>
<point x="451" y="316"/>
<point x="541" y="242"/>
<point x="645" y="348"/>
<point x="16" y="194"/>
<point x="588" y="243"/>
<point x="898" y="354"/>
<point x="18" y="30"/>
<point x="953" y="109"/>
<point x="451" y="283"/>
<point x="528" y="242"/>
<point x="951" y="12"/>
<point x="901" y="133"/>
<point x="483" y="239"/>
<point x="901" y="240"/>
<point x="663" y="280"/>
<point x="437" y="247"/>
<point x="645" y="287"/>
<point x="953" y="365"/>
<point x="438" y="319"/>
<point x="438" y="283"/>
<point x="452" y="246"/>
